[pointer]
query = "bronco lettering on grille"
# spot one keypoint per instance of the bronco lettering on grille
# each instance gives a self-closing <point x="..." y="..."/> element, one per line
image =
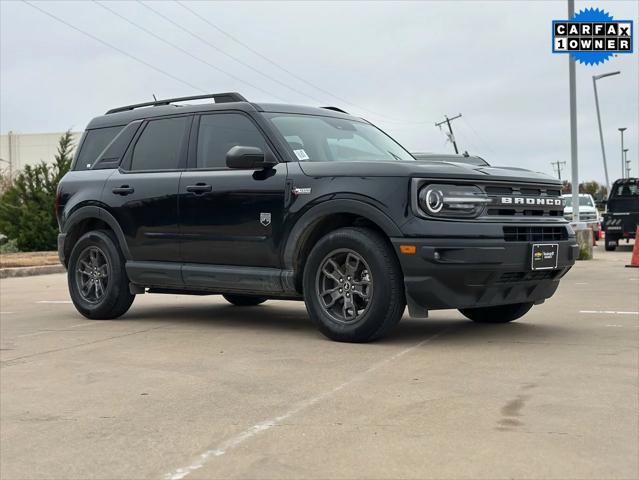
<point x="556" y="202"/>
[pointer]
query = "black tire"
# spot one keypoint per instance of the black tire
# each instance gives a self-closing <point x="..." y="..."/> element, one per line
<point x="244" y="300"/>
<point x="497" y="314"/>
<point x="379" y="278"/>
<point x="116" y="297"/>
<point x="611" y="244"/>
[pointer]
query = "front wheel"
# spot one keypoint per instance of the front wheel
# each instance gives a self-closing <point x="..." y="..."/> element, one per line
<point x="353" y="285"/>
<point x="611" y="244"/>
<point x="497" y="314"/>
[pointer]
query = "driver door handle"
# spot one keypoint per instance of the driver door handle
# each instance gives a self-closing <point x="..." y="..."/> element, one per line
<point x="199" y="188"/>
<point x="123" y="190"/>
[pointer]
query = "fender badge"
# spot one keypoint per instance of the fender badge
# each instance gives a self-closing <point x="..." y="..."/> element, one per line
<point x="301" y="191"/>
<point x="265" y="219"/>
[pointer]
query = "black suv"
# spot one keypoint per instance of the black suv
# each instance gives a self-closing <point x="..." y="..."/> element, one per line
<point x="260" y="201"/>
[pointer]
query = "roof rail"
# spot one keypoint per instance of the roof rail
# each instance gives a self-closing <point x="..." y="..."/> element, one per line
<point x="335" y="109"/>
<point x="227" y="97"/>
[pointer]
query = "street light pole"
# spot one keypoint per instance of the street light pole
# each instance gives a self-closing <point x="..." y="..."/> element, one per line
<point x="573" y="126"/>
<point x="626" y="162"/>
<point x="603" y="149"/>
<point x="623" y="163"/>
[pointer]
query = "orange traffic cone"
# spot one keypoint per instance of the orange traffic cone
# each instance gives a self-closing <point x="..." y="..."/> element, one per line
<point x="634" y="262"/>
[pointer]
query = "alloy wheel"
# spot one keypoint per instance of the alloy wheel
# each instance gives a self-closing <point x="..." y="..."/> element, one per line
<point x="344" y="285"/>
<point x="92" y="274"/>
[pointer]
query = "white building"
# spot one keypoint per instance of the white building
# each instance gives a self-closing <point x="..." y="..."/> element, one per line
<point x="20" y="149"/>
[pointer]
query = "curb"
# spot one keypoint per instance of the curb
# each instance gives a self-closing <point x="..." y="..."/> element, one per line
<point x="30" y="271"/>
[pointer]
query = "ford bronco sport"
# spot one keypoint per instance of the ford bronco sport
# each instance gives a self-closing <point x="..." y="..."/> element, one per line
<point x="260" y="201"/>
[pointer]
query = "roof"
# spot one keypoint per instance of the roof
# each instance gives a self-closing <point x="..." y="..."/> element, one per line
<point x="121" y="116"/>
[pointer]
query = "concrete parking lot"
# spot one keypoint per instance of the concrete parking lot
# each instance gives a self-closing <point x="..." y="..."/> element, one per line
<point x="192" y="387"/>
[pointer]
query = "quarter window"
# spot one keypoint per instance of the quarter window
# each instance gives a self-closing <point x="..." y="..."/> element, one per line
<point x="93" y="145"/>
<point x="219" y="133"/>
<point x="160" y="145"/>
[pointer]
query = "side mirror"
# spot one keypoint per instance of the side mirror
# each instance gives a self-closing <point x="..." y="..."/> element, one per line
<point x="249" y="158"/>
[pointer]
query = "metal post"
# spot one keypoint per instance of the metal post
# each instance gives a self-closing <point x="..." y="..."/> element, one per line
<point x="623" y="163"/>
<point x="626" y="162"/>
<point x="574" y="164"/>
<point x="601" y="139"/>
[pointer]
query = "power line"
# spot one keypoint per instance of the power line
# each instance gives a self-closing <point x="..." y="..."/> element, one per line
<point x="119" y="50"/>
<point x="184" y="51"/>
<point x="481" y="140"/>
<point x="286" y="70"/>
<point x="228" y="55"/>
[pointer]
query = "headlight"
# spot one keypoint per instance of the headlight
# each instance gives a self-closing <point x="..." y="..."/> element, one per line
<point x="462" y="201"/>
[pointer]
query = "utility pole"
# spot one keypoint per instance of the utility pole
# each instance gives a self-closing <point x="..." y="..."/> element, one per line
<point x="623" y="162"/>
<point x="574" y="163"/>
<point x="450" y="129"/>
<point x="603" y="149"/>
<point x="558" y="166"/>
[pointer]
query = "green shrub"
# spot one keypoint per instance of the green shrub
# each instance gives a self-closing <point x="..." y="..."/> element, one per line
<point x="27" y="207"/>
<point x="11" y="246"/>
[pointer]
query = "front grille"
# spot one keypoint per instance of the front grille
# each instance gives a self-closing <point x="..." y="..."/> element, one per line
<point x="529" y="192"/>
<point x="530" y="201"/>
<point x="510" y="277"/>
<point x="535" y="234"/>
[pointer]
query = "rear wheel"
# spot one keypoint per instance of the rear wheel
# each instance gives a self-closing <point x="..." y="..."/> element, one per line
<point x="497" y="314"/>
<point x="244" y="300"/>
<point x="353" y="285"/>
<point x="97" y="279"/>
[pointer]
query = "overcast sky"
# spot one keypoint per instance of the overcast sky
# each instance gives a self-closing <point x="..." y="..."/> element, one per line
<point x="402" y="66"/>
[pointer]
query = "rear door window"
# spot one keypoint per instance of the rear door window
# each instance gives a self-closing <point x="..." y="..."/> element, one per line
<point x="95" y="141"/>
<point x="160" y="145"/>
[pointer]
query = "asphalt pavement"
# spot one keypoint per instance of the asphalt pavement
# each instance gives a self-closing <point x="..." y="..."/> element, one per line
<point x="192" y="387"/>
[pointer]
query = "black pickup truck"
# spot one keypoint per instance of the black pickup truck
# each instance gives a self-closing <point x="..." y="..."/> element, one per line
<point x="622" y="212"/>
<point x="261" y="201"/>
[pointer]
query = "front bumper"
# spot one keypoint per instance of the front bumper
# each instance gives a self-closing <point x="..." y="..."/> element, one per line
<point x="465" y="273"/>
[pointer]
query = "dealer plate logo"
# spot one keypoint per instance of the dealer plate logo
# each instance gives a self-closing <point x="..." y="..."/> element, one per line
<point x="592" y="36"/>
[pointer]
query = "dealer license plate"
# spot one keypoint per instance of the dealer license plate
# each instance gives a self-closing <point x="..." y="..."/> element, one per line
<point x="544" y="256"/>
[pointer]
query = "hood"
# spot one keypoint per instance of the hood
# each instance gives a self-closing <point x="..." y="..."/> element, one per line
<point x="429" y="169"/>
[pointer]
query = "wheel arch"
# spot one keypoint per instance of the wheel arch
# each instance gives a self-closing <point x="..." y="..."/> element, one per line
<point x="88" y="218"/>
<point x="321" y="220"/>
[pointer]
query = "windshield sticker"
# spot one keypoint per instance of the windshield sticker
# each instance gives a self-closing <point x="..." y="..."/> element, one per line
<point x="301" y="154"/>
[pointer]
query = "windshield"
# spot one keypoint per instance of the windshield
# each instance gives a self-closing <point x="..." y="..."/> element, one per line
<point x="583" y="201"/>
<point x="328" y="139"/>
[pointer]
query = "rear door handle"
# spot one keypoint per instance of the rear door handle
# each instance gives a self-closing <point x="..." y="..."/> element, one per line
<point x="123" y="190"/>
<point x="199" y="188"/>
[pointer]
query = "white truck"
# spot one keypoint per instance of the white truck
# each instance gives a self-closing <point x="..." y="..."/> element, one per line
<point x="588" y="212"/>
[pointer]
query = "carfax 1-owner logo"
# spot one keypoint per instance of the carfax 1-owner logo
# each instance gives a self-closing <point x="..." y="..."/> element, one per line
<point x="592" y="36"/>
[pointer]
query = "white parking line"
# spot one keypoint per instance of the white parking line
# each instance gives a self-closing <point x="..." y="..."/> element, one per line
<point x="6" y="313"/>
<point x="54" y="301"/>
<point x="262" y="426"/>
<point x="608" y="312"/>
